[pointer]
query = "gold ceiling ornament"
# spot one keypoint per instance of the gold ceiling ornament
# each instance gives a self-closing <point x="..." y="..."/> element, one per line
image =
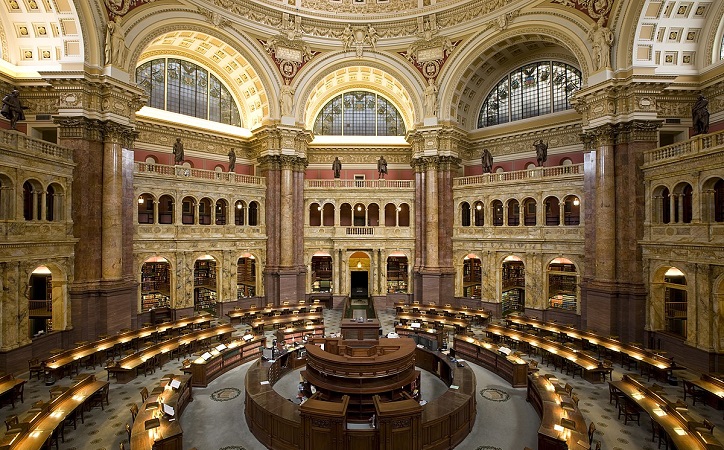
<point x="287" y="49"/>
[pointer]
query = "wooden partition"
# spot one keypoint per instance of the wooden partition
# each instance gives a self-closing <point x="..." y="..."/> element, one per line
<point x="511" y="368"/>
<point x="556" y="409"/>
<point x="221" y="360"/>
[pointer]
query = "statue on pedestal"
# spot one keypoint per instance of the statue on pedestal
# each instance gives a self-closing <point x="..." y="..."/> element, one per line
<point x="700" y="115"/>
<point x="541" y="151"/>
<point x="487" y="161"/>
<point x="178" y="151"/>
<point x="232" y="160"/>
<point x="381" y="167"/>
<point x="337" y="167"/>
<point x="12" y="108"/>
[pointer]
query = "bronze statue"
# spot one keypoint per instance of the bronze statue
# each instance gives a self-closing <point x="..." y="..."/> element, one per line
<point x="13" y="109"/>
<point x="232" y="160"/>
<point x="700" y="115"/>
<point x="337" y="167"/>
<point x="178" y="151"/>
<point x="487" y="160"/>
<point x="541" y="151"/>
<point x="381" y="167"/>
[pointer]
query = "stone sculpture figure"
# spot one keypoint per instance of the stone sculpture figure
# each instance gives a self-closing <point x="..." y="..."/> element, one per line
<point x="232" y="160"/>
<point x="12" y="108"/>
<point x="541" y="151"/>
<point x="381" y="167"/>
<point x="601" y="39"/>
<point x="178" y="151"/>
<point x="487" y="160"/>
<point x="337" y="167"/>
<point x="287" y="100"/>
<point x="431" y="99"/>
<point x="115" y="47"/>
<point x="700" y="115"/>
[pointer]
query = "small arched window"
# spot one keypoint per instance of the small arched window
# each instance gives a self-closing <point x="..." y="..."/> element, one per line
<point x="359" y="113"/>
<point x="315" y="215"/>
<point x="403" y="212"/>
<point x="513" y="213"/>
<point x="221" y="210"/>
<point x="465" y="214"/>
<point x="497" y="213"/>
<point x="719" y="201"/>
<point x="253" y="214"/>
<point x="239" y="213"/>
<point x="145" y="208"/>
<point x="165" y="210"/>
<point x="478" y="214"/>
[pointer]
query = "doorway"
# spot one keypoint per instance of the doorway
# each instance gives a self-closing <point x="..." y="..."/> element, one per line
<point x="359" y="284"/>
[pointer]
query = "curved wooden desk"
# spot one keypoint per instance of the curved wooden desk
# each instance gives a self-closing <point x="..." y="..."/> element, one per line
<point x="237" y="352"/>
<point x="440" y="424"/>
<point x="167" y="435"/>
<point x="511" y="368"/>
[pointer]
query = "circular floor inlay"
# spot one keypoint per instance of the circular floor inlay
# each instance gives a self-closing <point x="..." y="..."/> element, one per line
<point x="488" y="447"/>
<point x="225" y="394"/>
<point x="232" y="447"/>
<point x="495" y="395"/>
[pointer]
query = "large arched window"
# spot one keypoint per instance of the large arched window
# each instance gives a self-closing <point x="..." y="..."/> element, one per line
<point x="359" y="113"/>
<point x="183" y="87"/>
<point x="528" y="91"/>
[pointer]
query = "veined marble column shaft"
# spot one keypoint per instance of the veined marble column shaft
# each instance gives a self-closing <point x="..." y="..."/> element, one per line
<point x="431" y="218"/>
<point x="286" y="216"/>
<point x="112" y="235"/>
<point x="605" y="215"/>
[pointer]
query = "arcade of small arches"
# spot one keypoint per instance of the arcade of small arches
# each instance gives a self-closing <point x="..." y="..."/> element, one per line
<point x="195" y="211"/>
<point x="683" y="204"/>
<point x="359" y="215"/>
<point x="41" y="201"/>
<point x="472" y="213"/>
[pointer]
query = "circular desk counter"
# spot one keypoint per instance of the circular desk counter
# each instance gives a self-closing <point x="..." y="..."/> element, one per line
<point x="439" y="424"/>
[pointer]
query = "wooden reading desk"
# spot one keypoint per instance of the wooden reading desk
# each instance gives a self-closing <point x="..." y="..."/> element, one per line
<point x="155" y="429"/>
<point x="680" y="424"/>
<point x="246" y="315"/>
<point x="125" y="370"/>
<point x="67" y="358"/>
<point x="224" y="357"/>
<point x="592" y="367"/>
<point x="278" y="321"/>
<point x="461" y="325"/>
<point x="11" y="388"/>
<point x="654" y="361"/>
<point x="562" y="424"/>
<point x="40" y="423"/>
<point x="512" y="368"/>
<point x="478" y="315"/>
<point x="710" y="385"/>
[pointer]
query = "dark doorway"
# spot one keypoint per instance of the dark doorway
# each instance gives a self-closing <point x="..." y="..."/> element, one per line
<point x="359" y="284"/>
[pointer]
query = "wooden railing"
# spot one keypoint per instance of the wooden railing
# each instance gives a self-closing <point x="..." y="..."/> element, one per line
<point x="696" y="144"/>
<point x="180" y="172"/>
<point x="537" y="173"/>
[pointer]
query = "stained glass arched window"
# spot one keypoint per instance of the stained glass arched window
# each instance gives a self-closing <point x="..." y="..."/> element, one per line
<point x="183" y="87"/>
<point x="528" y="91"/>
<point x="359" y="113"/>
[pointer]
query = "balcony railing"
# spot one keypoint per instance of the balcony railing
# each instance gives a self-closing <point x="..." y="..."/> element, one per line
<point x="33" y="147"/>
<point x="694" y="145"/>
<point x="537" y="173"/>
<point x="360" y="231"/>
<point x="360" y="184"/>
<point x="180" y="173"/>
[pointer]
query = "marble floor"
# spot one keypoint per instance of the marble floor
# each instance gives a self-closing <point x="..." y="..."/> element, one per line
<point x="215" y="419"/>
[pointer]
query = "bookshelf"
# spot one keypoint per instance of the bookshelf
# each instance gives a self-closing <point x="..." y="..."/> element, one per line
<point x="245" y="278"/>
<point x="155" y="287"/>
<point x="205" y="285"/>
<point x="397" y="275"/>
<point x="472" y="275"/>
<point x="204" y="299"/>
<point x="321" y="274"/>
<point x="513" y="295"/>
<point x="562" y="286"/>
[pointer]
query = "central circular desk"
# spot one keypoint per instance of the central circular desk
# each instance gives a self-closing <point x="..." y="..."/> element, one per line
<point x="367" y="397"/>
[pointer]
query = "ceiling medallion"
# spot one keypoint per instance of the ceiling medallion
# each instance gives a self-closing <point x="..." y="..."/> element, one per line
<point x="358" y="37"/>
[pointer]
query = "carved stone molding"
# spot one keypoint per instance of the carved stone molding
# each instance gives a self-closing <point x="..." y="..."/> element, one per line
<point x="639" y="131"/>
<point x="604" y="135"/>
<point x="79" y="128"/>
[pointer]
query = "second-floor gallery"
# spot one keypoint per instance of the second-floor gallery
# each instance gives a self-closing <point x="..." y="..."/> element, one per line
<point x="537" y="156"/>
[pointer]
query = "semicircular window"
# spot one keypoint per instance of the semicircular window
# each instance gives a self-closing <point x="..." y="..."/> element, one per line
<point x="532" y="90"/>
<point x="359" y="113"/>
<point x="183" y="87"/>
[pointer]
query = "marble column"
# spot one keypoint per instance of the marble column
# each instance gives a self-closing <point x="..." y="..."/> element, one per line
<point x="431" y="213"/>
<point x="286" y="211"/>
<point x="111" y="206"/>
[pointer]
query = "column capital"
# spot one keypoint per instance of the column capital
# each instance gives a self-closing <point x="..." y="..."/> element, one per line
<point x="280" y="140"/>
<point x="443" y="162"/>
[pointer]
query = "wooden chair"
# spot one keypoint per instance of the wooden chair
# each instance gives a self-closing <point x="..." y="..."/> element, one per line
<point x="134" y="412"/>
<point x="144" y="394"/>
<point x="693" y="391"/>
<point x="591" y="432"/>
<point x="128" y="432"/>
<point x="35" y="366"/>
<point x="629" y="411"/>
<point x="614" y="394"/>
<point x="11" y="421"/>
<point x="99" y="398"/>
